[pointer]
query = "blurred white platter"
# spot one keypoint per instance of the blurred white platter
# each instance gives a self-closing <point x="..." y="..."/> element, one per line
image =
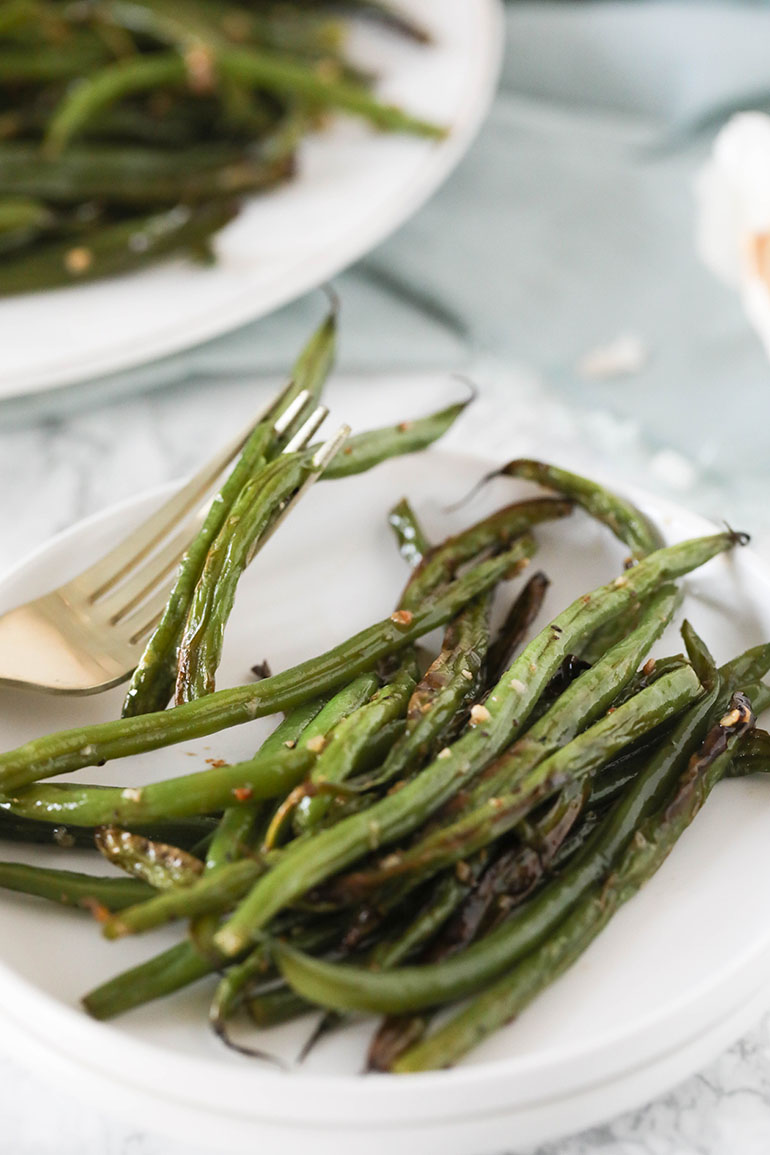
<point x="678" y="974"/>
<point x="354" y="188"/>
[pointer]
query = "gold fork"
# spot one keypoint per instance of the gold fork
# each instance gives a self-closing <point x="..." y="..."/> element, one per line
<point x="88" y="634"/>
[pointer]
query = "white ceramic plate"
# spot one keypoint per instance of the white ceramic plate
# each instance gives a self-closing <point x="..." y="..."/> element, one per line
<point x="679" y="972"/>
<point x="354" y="187"/>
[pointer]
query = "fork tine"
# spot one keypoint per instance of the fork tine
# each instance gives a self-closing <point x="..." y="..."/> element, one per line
<point x="105" y="573"/>
<point x="286" y="420"/>
<point x="145" y="617"/>
<point x="143" y="614"/>
<point x="131" y="601"/>
<point x="133" y="592"/>
<point x="323" y="455"/>
<point x="289" y="429"/>
<point x="160" y="565"/>
<point x="308" y="428"/>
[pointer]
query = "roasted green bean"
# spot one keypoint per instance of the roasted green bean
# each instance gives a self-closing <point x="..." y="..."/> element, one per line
<point x="650" y="846"/>
<point x="91" y="745"/>
<point x="509" y="705"/>
<point x="154" y="677"/>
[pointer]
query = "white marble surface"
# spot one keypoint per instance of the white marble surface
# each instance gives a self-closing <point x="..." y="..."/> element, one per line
<point x="57" y="471"/>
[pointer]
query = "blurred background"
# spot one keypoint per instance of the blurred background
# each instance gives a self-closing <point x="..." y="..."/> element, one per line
<point x="558" y="263"/>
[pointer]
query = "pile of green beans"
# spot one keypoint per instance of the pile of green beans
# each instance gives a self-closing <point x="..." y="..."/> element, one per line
<point x="420" y="828"/>
<point x="131" y="130"/>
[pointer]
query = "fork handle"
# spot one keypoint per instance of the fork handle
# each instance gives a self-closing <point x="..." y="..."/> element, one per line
<point x="35" y="654"/>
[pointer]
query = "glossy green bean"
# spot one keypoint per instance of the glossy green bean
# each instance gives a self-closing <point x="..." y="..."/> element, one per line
<point x="522" y="613"/>
<point x="175" y="968"/>
<point x="348" y="743"/>
<point x="158" y="864"/>
<point x="509" y="705"/>
<point x="189" y="833"/>
<point x="584" y="701"/>
<point x="622" y="517"/>
<point x="413" y="544"/>
<point x="649" y="847"/>
<point x="71" y="888"/>
<point x="580" y="758"/>
<point x="249" y="519"/>
<point x="154" y="677"/>
<point x="204" y="792"/>
<point x="91" y="745"/>
<point x="412" y="988"/>
<point x="365" y="450"/>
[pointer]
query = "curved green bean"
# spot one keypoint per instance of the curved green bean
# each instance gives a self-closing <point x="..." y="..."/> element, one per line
<point x="622" y="517"/>
<point x="153" y="680"/>
<point x="109" y="85"/>
<point x="365" y="450"/>
<point x="491" y="533"/>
